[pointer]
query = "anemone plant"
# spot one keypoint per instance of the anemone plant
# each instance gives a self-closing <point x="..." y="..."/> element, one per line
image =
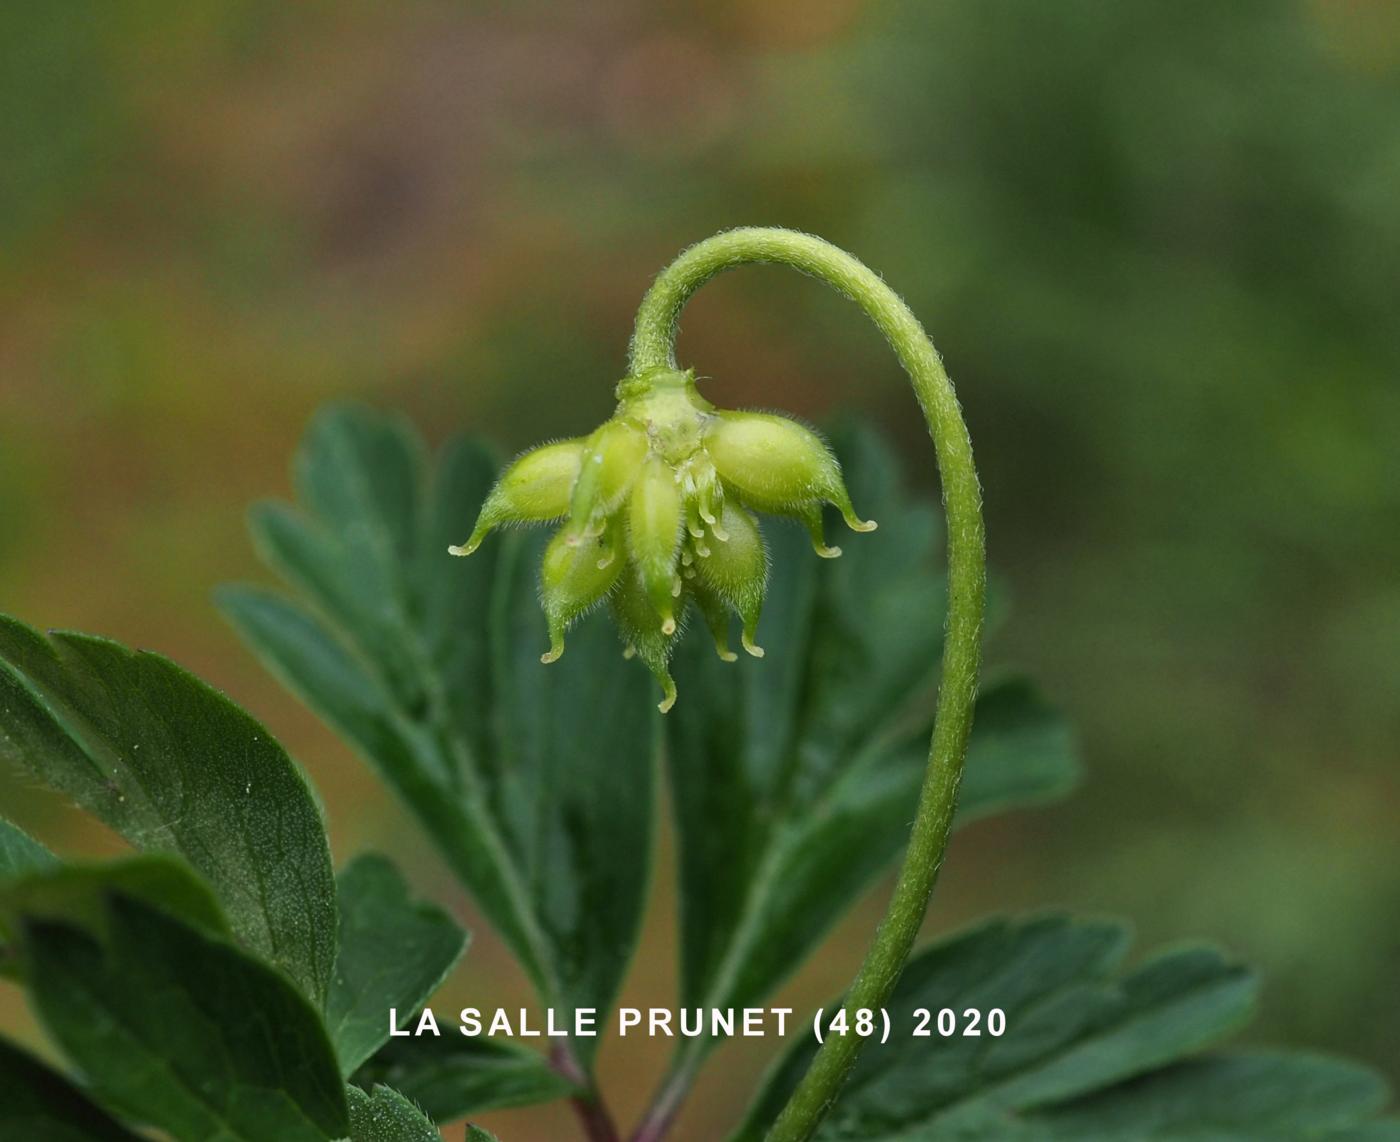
<point x="226" y="984"/>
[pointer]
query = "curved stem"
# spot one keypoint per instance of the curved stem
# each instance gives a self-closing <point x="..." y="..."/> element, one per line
<point x="653" y="347"/>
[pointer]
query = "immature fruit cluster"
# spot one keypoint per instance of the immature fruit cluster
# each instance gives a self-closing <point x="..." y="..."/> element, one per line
<point x="659" y="506"/>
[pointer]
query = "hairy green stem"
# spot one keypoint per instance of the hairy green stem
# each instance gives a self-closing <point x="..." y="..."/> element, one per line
<point x="653" y="347"/>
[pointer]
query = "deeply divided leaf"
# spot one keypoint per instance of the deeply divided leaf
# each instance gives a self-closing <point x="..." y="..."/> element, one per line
<point x="795" y="777"/>
<point x="535" y="782"/>
<point x="174" y="766"/>
<point x="394" y="953"/>
<point x="181" y="1030"/>
<point x="1074" y="1024"/>
<point x="1256" y="1096"/>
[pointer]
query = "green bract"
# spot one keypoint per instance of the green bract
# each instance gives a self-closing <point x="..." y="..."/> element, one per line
<point x="659" y="512"/>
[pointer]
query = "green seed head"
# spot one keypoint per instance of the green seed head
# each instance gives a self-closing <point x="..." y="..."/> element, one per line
<point x="779" y="466"/>
<point x="734" y="576"/>
<point x="658" y="508"/>
<point x="536" y="487"/>
<point x="654" y="536"/>
<point x="576" y="574"/>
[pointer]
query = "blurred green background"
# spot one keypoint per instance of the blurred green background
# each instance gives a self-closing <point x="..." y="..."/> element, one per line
<point x="1158" y="244"/>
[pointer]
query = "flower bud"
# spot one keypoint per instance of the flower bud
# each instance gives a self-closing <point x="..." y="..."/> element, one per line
<point x="736" y="572"/>
<point x="654" y="517"/>
<point x="779" y="466"/>
<point x="576" y="573"/>
<point x="536" y="487"/>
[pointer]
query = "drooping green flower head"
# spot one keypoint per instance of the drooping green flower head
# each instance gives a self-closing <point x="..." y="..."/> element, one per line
<point x="659" y="513"/>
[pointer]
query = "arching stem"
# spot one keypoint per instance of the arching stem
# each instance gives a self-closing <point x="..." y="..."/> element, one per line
<point x="654" y="347"/>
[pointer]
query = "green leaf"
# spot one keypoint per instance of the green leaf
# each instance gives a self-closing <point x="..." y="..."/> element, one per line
<point x="534" y="782"/>
<point x="40" y="1105"/>
<point x="78" y="893"/>
<point x="20" y="853"/>
<point x="384" y="1115"/>
<point x="394" y="952"/>
<point x="457" y="1075"/>
<point x="1074" y="1024"/>
<point x="174" y="766"/>
<point x="794" y="777"/>
<point x="477" y="1134"/>
<point x="182" y="1030"/>
<point x="1256" y="1096"/>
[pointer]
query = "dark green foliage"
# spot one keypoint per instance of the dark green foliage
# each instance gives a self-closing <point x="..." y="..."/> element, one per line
<point x="130" y="966"/>
<point x="228" y="1000"/>
<point x="78" y="893"/>
<point x="795" y="776"/>
<point x="456" y="1075"/>
<point x="1089" y="1051"/>
<point x="40" y="1105"/>
<point x="384" y="1115"/>
<point x="174" y="1027"/>
<point x="1240" y="1097"/>
<point x="536" y="783"/>
<point x="394" y="952"/>
<point x="174" y="766"/>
